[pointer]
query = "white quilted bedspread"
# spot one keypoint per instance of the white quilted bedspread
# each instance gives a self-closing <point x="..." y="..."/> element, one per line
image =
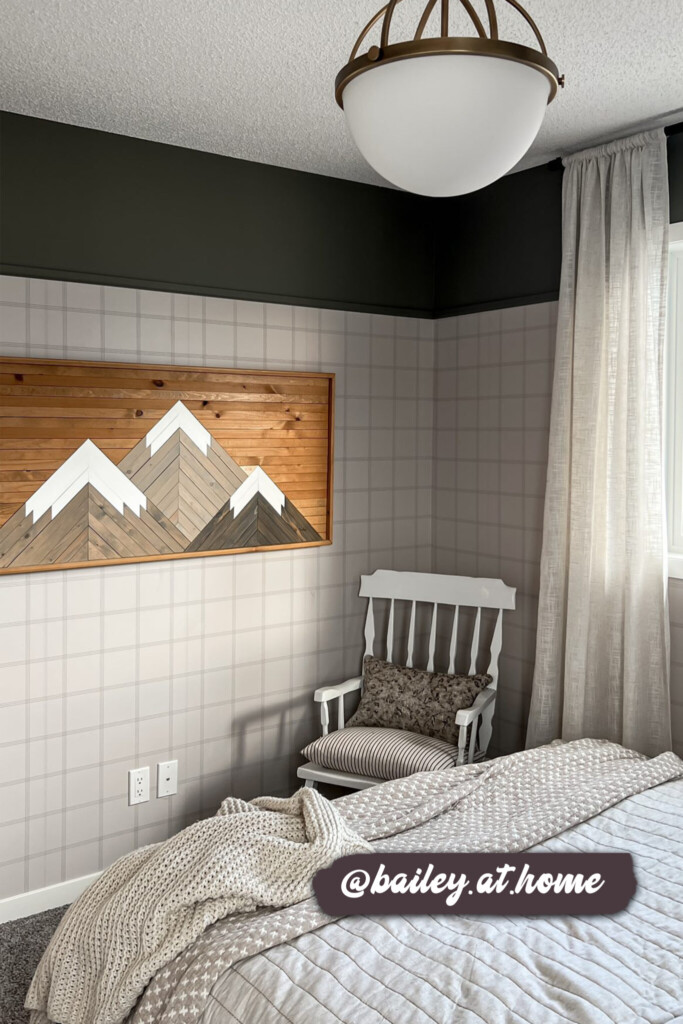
<point x="626" y="969"/>
<point x="509" y="804"/>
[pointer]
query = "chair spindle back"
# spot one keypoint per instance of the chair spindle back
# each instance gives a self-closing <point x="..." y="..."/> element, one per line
<point x="437" y="590"/>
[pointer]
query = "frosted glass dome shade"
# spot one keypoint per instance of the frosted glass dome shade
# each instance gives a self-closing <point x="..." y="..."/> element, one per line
<point x="445" y="124"/>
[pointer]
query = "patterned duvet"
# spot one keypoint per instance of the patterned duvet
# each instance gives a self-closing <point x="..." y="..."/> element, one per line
<point x="436" y="970"/>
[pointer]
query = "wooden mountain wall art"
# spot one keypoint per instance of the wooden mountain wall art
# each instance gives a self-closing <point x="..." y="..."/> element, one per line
<point x="107" y="463"/>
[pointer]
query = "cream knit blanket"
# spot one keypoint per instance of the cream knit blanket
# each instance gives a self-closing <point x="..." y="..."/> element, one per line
<point x="152" y="903"/>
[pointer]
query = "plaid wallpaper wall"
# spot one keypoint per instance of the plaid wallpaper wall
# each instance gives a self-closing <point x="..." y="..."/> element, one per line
<point x="676" y="619"/>
<point x="440" y="462"/>
<point x="493" y="394"/>
<point x="493" y="388"/>
<point x="212" y="661"/>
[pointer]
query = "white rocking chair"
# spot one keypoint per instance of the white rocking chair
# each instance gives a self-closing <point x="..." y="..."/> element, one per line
<point x="431" y="588"/>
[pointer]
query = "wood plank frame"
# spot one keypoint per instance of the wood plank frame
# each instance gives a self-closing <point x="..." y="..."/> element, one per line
<point x="17" y="381"/>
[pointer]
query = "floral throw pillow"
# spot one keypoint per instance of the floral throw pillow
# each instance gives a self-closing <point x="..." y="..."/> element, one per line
<point x="395" y="697"/>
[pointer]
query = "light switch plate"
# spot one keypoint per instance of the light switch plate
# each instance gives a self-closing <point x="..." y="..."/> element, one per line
<point x="167" y="778"/>
<point x="138" y="785"/>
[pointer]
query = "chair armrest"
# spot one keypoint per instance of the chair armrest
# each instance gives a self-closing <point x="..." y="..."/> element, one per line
<point x="468" y="715"/>
<point x="325" y="693"/>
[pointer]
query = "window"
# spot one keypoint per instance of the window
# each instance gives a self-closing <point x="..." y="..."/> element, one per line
<point x="674" y="399"/>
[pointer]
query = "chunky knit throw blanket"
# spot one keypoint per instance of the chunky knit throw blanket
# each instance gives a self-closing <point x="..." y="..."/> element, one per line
<point x="151" y="904"/>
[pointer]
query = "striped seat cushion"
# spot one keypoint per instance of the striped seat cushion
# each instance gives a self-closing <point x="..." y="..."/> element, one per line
<point x="380" y="753"/>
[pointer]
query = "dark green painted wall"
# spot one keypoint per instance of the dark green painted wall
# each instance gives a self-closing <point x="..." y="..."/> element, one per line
<point x="675" y="158"/>
<point x="90" y="206"/>
<point x="503" y="246"/>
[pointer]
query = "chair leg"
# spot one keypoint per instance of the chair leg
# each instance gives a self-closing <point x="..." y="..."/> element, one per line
<point x="310" y="783"/>
<point x="486" y="728"/>
<point x="462" y="745"/>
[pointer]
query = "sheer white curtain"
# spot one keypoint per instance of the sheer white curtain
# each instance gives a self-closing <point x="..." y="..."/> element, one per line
<point x="602" y="650"/>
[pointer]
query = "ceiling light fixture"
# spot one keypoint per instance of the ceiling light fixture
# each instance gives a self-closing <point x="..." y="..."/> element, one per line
<point x="452" y="123"/>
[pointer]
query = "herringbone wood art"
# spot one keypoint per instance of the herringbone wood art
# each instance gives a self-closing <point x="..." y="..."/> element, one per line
<point x="106" y="463"/>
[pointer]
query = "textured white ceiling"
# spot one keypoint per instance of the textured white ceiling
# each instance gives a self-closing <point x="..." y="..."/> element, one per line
<point x="254" y="78"/>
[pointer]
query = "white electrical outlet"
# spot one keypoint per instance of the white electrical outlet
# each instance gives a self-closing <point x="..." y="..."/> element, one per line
<point x="138" y="785"/>
<point x="167" y="778"/>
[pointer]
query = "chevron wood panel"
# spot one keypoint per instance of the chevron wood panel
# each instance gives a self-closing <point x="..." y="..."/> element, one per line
<point x="279" y="423"/>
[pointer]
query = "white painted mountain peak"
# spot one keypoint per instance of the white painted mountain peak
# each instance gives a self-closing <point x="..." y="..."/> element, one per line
<point x="258" y="482"/>
<point x="178" y="417"/>
<point x="87" y="465"/>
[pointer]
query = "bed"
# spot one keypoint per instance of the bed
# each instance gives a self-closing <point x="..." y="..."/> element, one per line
<point x="622" y="969"/>
<point x="421" y="970"/>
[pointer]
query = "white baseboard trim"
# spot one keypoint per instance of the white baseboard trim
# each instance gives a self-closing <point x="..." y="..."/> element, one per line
<point x="34" y="902"/>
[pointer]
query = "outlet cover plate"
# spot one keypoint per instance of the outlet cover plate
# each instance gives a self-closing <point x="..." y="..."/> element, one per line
<point x="138" y="785"/>
<point x="167" y="778"/>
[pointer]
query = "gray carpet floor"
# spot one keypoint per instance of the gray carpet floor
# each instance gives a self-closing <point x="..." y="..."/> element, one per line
<point x="22" y="944"/>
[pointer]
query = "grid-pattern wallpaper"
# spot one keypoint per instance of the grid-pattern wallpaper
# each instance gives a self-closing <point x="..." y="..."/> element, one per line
<point x="440" y="461"/>
<point x="214" y="660"/>
<point x="493" y="388"/>
<point x="676" y="619"/>
<point x="493" y="393"/>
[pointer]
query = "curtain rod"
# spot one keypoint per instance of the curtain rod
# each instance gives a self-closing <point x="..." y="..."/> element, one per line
<point x="638" y="126"/>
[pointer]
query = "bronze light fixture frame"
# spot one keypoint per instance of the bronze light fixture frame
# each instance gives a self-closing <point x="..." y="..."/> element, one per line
<point x="483" y="44"/>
